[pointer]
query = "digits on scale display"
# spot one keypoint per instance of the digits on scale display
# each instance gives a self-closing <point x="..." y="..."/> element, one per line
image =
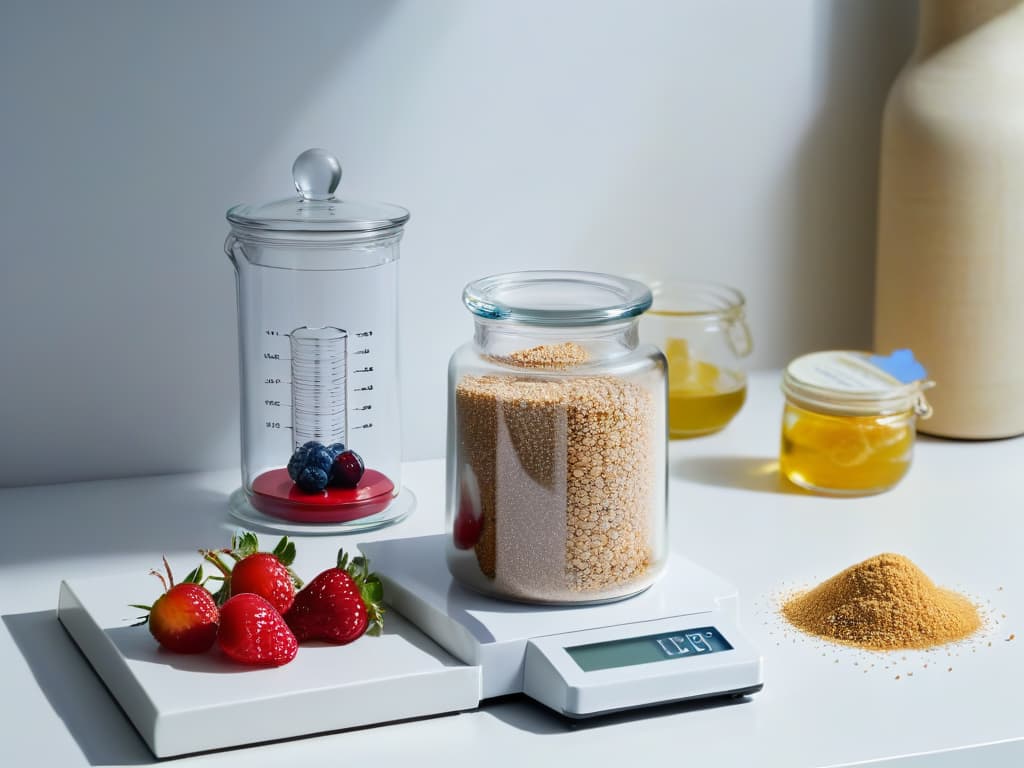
<point x="687" y="643"/>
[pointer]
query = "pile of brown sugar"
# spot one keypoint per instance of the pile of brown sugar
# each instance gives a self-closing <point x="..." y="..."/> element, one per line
<point x="884" y="603"/>
<point x="568" y="354"/>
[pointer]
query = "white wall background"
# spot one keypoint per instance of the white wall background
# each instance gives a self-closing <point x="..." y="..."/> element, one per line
<point x="733" y="140"/>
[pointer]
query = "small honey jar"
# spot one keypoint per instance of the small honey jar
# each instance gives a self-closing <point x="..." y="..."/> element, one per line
<point x="849" y="422"/>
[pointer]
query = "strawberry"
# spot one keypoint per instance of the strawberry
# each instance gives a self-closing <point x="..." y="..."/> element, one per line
<point x="340" y="604"/>
<point x="184" y="618"/>
<point x="469" y="519"/>
<point x="263" y="574"/>
<point x="266" y="574"/>
<point x="253" y="632"/>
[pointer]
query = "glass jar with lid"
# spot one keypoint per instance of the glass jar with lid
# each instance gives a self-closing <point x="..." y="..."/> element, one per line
<point x="556" y="461"/>
<point x="849" y="421"/>
<point x="702" y="329"/>
<point x="317" y="288"/>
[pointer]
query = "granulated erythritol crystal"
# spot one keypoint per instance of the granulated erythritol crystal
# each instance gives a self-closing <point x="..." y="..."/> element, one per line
<point x="884" y="603"/>
<point x="565" y="477"/>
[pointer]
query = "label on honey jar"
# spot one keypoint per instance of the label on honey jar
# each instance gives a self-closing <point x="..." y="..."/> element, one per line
<point x="852" y="383"/>
<point x="844" y="371"/>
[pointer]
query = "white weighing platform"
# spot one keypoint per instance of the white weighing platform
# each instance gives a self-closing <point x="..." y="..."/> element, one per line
<point x="579" y="661"/>
<point x="192" y="703"/>
<point x="957" y="515"/>
<point x="650" y="654"/>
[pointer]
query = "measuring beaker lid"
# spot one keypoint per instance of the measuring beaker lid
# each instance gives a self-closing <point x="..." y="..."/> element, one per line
<point x="316" y="173"/>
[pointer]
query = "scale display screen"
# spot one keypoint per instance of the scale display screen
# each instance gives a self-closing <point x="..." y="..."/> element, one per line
<point x="684" y="644"/>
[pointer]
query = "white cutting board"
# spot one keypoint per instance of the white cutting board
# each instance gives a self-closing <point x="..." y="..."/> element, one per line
<point x="190" y="703"/>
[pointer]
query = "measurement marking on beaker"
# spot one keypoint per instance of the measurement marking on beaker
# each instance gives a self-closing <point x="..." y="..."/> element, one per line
<point x="367" y="388"/>
<point x="367" y="369"/>
<point x="363" y="408"/>
<point x="318" y="401"/>
<point x="364" y="334"/>
<point x="362" y="426"/>
<point x="361" y="352"/>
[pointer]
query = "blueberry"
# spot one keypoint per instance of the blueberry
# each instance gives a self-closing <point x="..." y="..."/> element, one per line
<point x="312" y="479"/>
<point x="310" y="467"/>
<point x="348" y="469"/>
<point x="336" y="448"/>
<point x="297" y="462"/>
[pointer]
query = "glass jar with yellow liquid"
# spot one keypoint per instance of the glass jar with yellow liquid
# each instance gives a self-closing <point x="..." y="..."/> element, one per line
<point x="849" y="423"/>
<point x="703" y="332"/>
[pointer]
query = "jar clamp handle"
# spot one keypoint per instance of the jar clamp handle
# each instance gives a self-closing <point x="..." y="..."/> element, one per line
<point x="738" y="333"/>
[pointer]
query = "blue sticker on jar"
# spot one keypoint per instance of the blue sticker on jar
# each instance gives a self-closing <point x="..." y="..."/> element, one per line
<point x="901" y="365"/>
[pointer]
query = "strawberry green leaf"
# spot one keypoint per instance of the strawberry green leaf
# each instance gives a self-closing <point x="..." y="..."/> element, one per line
<point x="360" y="569"/>
<point x="246" y="544"/>
<point x="371" y="590"/>
<point x="142" y="619"/>
<point x="285" y="551"/>
<point x="195" y="576"/>
<point x="221" y="595"/>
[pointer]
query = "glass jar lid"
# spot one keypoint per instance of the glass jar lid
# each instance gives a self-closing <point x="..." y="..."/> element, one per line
<point x="315" y="208"/>
<point x="556" y="298"/>
<point x="846" y="382"/>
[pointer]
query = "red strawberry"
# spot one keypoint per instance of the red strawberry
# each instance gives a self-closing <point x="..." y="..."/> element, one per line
<point x="469" y="519"/>
<point x="340" y="604"/>
<point x="253" y="632"/>
<point x="262" y="573"/>
<point x="184" y="618"/>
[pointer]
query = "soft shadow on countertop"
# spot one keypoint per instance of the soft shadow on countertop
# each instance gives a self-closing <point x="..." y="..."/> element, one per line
<point x="748" y="473"/>
<point x="90" y="713"/>
<point x="161" y="514"/>
<point x="525" y="714"/>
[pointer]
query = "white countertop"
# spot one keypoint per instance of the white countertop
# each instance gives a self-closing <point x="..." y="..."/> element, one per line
<point x="958" y="514"/>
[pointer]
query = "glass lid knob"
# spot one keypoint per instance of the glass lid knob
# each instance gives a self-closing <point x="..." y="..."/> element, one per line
<point x="316" y="173"/>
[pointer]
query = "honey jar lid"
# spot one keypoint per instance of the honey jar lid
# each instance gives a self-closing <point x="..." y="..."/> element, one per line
<point x="858" y="383"/>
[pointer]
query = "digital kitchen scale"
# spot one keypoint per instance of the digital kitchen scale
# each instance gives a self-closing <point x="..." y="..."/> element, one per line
<point x="678" y="640"/>
<point x="444" y="649"/>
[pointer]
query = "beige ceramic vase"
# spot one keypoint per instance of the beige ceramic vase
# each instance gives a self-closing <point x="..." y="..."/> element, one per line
<point x="950" y="270"/>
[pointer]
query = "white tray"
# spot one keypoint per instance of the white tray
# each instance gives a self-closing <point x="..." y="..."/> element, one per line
<point x="191" y="703"/>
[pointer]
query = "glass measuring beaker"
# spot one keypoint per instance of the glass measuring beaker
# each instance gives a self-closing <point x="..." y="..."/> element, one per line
<point x="702" y="329"/>
<point x="317" y="282"/>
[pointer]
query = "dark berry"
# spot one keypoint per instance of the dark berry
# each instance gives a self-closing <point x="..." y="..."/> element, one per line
<point x="348" y="469"/>
<point x="297" y="462"/>
<point x="310" y="467"/>
<point x="336" y="448"/>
